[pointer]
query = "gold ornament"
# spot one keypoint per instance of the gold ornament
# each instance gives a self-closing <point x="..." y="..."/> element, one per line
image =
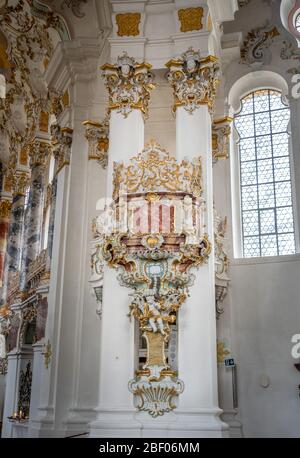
<point x="194" y="80"/>
<point x="97" y="136"/>
<point x="128" y="24"/>
<point x="47" y="352"/>
<point x="66" y="99"/>
<point x="8" y="180"/>
<point x="222" y="352"/>
<point x="22" y="181"/>
<point x="44" y="121"/>
<point x="190" y="19"/>
<point x="5" y="208"/>
<point x="24" y="156"/>
<point x="155" y="170"/>
<point x="39" y="153"/>
<point x="129" y="84"/>
<point x="221" y="131"/>
<point x="61" y="144"/>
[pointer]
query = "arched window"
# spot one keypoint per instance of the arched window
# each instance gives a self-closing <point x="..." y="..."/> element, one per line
<point x="265" y="175"/>
<point x="297" y="23"/>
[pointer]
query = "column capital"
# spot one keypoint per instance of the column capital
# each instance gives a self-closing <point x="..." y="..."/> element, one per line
<point x="56" y="98"/>
<point x="5" y="208"/>
<point x="97" y="135"/>
<point x="221" y="130"/>
<point x="129" y="84"/>
<point x="194" y="80"/>
<point x="8" y="181"/>
<point x="39" y="152"/>
<point x="21" y="183"/>
<point x="61" y="141"/>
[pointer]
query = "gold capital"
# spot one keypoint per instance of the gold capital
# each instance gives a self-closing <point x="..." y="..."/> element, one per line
<point x="129" y="84"/>
<point x="194" y="80"/>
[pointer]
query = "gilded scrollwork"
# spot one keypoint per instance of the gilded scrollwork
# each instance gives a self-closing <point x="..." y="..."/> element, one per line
<point x="97" y="135"/>
<point x="154" y="257"/>
<point x="255" y="48"/>
<point x="21" y="183"/>
<point x="194" y="80"/>
<point x="221" y="262"/>
<point x="5" y="208"/>
<point x="61" y="145"/>
<point x="39" y="153"/>
<point x="28" y="44"/>
<point x="129" y="84"/>
<point x="128" y="24"/>
<point x="190" y="19"/>
<point x="155" y="170"/>
<point x="221" y="131"/>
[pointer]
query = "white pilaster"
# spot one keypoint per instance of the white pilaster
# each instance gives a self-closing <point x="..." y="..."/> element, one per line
<point x="38" y="366"/>
<point x="69" y="384"/>
<point x="198" y="409"/>
<point x="116" y="411"/>
<point x="14" y="366"/>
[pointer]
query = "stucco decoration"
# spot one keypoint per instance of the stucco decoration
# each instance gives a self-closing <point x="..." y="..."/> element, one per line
<point x="222" y="279"/>
<point x="257" y="43"/>
<point x="155" y="240"/>
<point x="75" y="6"/>
<point x="194" y="80"/>
<point x="190" y="19"/>
<point x="128" y="24"/>
<point x="221" y="130"/>
<point x="129" y="84"/>
<point x="97" y="135"/>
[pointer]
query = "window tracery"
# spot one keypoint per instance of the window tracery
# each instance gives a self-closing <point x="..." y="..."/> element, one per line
<point x="265" y="175"/>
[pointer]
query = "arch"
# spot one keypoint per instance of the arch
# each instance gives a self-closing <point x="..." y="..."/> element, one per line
<point x="253" y="81"/>
<point x="289" y="9"/>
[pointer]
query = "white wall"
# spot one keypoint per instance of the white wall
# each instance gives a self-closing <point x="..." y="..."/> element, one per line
<point x="2" y="395"/>
<point x="265" y="298"/>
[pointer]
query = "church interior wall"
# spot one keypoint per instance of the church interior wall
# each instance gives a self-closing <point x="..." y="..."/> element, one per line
<point x="260" y="312"/>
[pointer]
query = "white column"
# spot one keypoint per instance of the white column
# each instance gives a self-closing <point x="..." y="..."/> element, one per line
<point x="37" y="369"/>
<point x="198" y="411"/>
<point x="197" y="358"/>
<point x="14" y="367"/>
<point x="11" y="392"/>
<point x="126" y="139"/>
<point x="116" y="410"/>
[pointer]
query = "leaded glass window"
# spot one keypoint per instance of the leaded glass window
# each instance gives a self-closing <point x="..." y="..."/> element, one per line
<point x="265" y="175"/>
<point x="297" y="23"/>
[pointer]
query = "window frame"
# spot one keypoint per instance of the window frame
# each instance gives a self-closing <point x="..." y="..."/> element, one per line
<point x="236" y="186"/>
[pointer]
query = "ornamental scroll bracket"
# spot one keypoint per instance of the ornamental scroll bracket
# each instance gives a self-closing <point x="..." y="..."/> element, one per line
<point x="156" y="236"/>
<point x="221" y="131"/>
<point x="97" y="135"/>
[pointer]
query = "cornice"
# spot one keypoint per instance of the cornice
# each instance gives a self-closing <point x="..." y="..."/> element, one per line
<point x="72" y="61"/>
